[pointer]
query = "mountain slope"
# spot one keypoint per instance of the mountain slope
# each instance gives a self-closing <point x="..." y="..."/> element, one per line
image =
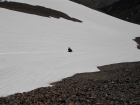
<point x="128" y="10"/>
<point x="33" y="49"/>
<point x="95" y="3"/>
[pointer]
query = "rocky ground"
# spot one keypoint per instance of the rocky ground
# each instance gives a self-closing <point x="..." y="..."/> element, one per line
<point x="116" y="84"/>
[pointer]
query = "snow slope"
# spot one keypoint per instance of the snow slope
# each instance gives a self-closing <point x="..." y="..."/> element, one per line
<point x="33" y="49"/>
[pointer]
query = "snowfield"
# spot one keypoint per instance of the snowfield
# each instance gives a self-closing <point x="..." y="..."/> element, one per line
<point x="33" y="49"/>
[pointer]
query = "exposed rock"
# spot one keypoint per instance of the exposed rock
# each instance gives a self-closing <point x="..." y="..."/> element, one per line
<point x="138" y="41"/>
<point x="37" y="10"/>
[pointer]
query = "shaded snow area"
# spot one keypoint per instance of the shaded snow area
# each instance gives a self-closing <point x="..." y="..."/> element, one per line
<point x="33" y="49"/>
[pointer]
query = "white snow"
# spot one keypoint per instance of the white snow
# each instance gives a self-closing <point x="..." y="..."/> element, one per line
<point x="33" y="49"/>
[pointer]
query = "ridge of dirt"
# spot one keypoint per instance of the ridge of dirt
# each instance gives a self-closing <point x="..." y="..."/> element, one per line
<point x="37" y="10"/>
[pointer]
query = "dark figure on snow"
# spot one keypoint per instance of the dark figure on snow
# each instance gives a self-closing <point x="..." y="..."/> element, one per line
<point x="69" y="49"/>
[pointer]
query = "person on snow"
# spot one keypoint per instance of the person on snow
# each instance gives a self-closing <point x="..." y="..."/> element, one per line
<point x="69" y="49"/>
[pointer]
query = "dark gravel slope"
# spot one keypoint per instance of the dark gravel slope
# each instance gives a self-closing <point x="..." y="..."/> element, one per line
<point x="37" y="10"/>
<point x="117" y="84"/>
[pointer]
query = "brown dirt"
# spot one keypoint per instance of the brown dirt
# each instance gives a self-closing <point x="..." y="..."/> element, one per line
<point x="37" y="10"/>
